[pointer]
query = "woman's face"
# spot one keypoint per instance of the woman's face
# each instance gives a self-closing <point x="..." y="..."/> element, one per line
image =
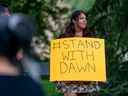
<point x="81" y="21"/>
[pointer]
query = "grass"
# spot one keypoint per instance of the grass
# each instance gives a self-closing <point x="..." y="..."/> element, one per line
<point x="50" y="88"/>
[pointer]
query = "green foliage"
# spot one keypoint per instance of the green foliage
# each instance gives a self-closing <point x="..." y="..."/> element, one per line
<point x="50" y="89"/>
<point x="108" y="18"/>
<point x="81" y="4"/>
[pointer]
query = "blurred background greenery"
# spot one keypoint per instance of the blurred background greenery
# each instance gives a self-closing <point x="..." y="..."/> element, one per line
<point x="108" y="18"/>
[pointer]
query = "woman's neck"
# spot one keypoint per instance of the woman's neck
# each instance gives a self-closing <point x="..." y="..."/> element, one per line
<point x="78" y="32"/>
<point x="6" y="68"/>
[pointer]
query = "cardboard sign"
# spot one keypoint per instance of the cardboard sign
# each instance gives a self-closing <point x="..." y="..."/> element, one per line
<point x="77" y="59"/>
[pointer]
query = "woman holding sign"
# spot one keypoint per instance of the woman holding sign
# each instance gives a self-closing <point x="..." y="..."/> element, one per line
<point x="77" y="28"/>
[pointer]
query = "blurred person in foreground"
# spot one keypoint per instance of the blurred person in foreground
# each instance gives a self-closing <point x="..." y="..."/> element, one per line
<point x="31" y="67"/>
<point x="15" y="44"/>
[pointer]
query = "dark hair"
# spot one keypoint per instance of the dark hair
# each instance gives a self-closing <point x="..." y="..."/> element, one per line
<point x="14" y="35"/>
<point x="70" y="29"/>
<point x="4" y="8"/>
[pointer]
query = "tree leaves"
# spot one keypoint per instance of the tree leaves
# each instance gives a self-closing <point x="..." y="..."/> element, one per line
<point x="81" y="4"/>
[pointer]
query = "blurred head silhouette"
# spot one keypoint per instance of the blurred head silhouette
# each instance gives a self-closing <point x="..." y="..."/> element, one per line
<point x="4" y="10"/>
<point x="16" y="33"/>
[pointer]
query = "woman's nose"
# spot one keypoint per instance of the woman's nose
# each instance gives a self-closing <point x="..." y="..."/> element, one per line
<point x="85" y="21"/>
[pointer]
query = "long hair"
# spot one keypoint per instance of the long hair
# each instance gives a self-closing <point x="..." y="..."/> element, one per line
<point x="70" y="29"/>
